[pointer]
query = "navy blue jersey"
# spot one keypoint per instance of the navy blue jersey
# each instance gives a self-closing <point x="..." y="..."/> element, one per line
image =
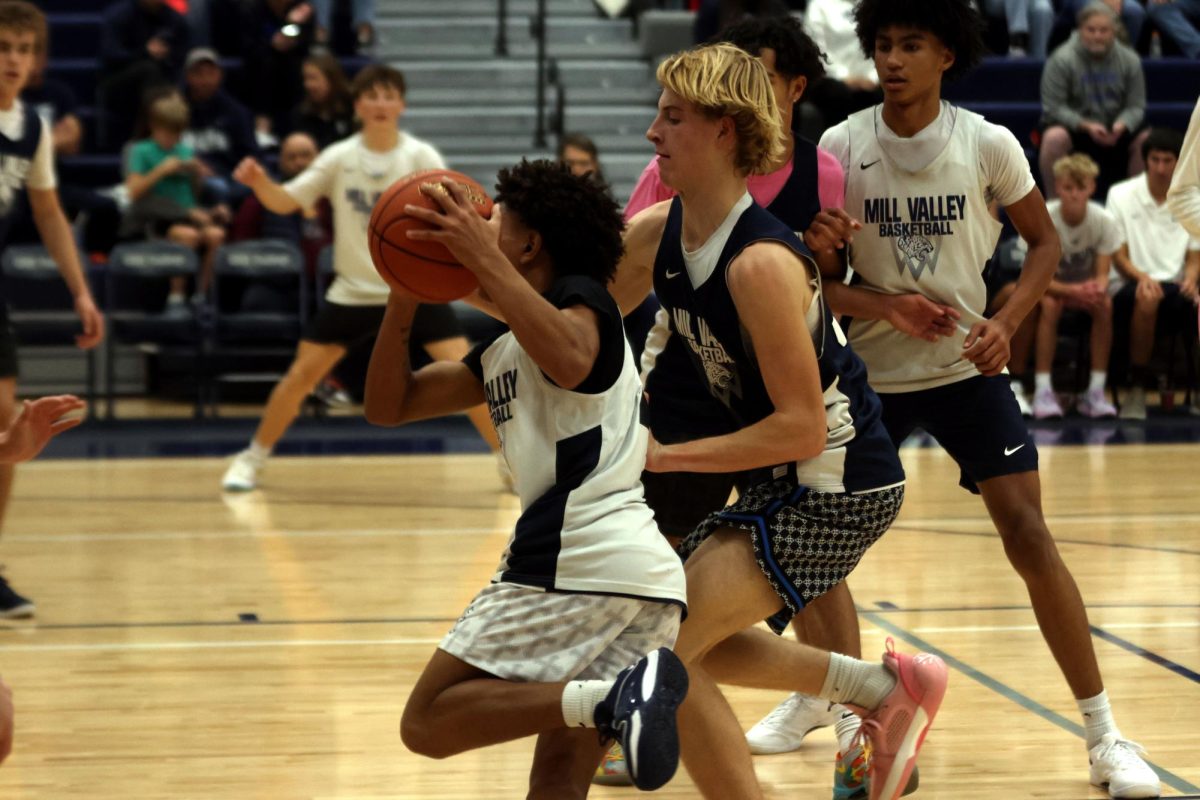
<point x="859" y="456"/>
<point x="16" y="157"/>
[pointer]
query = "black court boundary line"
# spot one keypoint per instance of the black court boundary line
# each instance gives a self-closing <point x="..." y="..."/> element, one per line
<point x="1149" y="655"/>
<point x="993" y="535"/>
<point x="1029" y="704"/>
<point x="25" y="627"/>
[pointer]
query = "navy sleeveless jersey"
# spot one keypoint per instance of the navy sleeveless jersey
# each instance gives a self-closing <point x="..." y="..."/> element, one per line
<point x="16" y="158"/>
<point x="859" y="455"/>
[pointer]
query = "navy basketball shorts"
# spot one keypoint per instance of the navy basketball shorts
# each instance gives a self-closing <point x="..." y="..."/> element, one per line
<point x="8" y="346"/>
<point x="805" y="541"/>
<point x="350" y="326"/>
<point x="680" y="409"/>
<point x="976" y="421"/>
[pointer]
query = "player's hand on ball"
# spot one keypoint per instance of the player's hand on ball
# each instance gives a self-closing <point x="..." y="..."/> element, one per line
<point x="466" y="234"/>
<point x="987" y="346"/>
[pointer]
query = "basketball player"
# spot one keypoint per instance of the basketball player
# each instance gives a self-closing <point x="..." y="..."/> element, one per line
<point x="27" y="163"/>
<point x="919" y="175"/>
<point x="352" y="174"/>
<point x="823" y="483"/>
<point x="587" y="585"/>
<point x="794" y="188"/>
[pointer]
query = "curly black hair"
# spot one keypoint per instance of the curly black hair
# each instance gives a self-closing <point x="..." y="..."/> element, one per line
<point x="796" y="54"/>
<point x="956" y="23"/>
<point x="580" y="223"/>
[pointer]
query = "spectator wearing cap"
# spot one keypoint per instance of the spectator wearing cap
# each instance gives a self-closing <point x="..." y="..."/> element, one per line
<point x="221" y="132"/>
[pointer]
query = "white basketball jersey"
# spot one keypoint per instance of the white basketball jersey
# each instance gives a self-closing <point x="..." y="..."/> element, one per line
<point x="927" y="232"/>
<point x="576" y="458"/>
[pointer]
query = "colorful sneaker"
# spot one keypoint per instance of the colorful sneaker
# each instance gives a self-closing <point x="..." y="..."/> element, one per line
<point x="1045" y="405"/>
<point x="242" y="475"/>
<point x="612" y="770"/>
<point x="1094" y="404"/>
<point x="896" y="729"/>
<point x="639" y="713"/>
<point x="785" y="727"/>
<point x="1118" y="767"/>
<point x="13" y="605"/>
<point x="850" y="778"/>
<point x="1022" y="399"/>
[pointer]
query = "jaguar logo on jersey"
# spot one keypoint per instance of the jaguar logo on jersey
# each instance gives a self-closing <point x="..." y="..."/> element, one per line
<point x="917" y="237"/>
<point x="362" y="202"/>
<point x="719" y="369"/>
<point x="500" y="391"/>
<point x="13" y="172"/>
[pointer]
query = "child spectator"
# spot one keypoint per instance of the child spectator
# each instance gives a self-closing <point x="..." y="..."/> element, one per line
<point x="327" y="111"/>
<point x="162" y="178"/>
<point x="1159" y="265"/>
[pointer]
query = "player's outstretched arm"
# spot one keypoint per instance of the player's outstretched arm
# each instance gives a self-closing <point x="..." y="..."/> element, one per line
<point x="273" y="196"/>
<point x="394" y="393"/>
<point x="39" y="422"/>
<point x="771" y="296"/>
<point x="635" y="272"/>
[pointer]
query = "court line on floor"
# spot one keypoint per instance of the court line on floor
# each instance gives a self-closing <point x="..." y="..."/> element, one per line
<point x="152" y="536"/>
<point x="888" y="608"/>
<point x="907" y="526"/>
<point x="1019" y="628"/>
<point x="1029" y="704"/>
<point x="215" y="645"/>
<point x="1149" y="655"/>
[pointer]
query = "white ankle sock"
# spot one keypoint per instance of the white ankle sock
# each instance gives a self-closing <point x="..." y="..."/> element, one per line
<point x="1097" y="718"/>
<point x="850" y="680"/>
<point x="257" y="452"/>
<point x="579" y="701"/>
<point x="846" y="729"/>
<point x="1097" y="381"/>
<point x="1041" y="382"/>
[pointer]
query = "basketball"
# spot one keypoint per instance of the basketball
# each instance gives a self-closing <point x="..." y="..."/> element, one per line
<point x="425" y="269"/>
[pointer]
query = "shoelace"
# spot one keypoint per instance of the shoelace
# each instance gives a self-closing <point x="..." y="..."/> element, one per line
<point x="1124" y="753"/>
<point x="784" y="710"/>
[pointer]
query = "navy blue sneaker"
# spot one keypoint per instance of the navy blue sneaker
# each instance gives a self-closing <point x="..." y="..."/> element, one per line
<point x="639" y="713"/>
<point x="13" y="605"/>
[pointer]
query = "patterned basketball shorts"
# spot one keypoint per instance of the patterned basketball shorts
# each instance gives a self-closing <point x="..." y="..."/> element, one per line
<point x="524" y="634"/>
<point x="806" y="542"/>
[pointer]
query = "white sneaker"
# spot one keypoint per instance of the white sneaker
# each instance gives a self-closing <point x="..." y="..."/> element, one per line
<point x="1134" y="406"/>
<point x="1045" y="405"/>
<point x="1022" y="399"/>
<point x="1094" y="404"/>
<point x="242" y="475"/>
<point x="1117" y="766"/>
<point x="784" y="729"/>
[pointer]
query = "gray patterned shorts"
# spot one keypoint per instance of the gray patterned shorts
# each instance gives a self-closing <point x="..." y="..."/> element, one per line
<point x="806" y="542"/>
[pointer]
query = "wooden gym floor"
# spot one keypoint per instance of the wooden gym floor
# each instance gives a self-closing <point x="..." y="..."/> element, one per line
<point x="262" y="646"/>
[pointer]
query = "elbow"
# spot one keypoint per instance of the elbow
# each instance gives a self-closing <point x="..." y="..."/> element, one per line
<point x="811" y="442"/>
<point x="572" y="369"/>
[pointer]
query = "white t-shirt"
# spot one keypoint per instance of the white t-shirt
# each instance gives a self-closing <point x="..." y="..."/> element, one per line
<point x="352" y="178"/>
<point x="1097" y="234"/>
<point x="1158" y="244"/>
<point x="41" y="169"/>
<point x="923" y="202"/>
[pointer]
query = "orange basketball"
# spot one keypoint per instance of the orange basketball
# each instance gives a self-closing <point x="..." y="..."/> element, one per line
<point x="425" y="269"/>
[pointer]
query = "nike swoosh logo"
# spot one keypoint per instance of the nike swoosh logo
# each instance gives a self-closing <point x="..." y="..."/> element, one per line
<point x="1009" y="452"/>
<point x="868" y="166"/>
<point x="673" y="274"/>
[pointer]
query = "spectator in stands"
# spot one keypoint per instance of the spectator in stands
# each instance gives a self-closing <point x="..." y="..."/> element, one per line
<point x="362" y="16"/>
<point x="581" y="155"/>
<point x="56" y="105"/>
<point x="163" y="176"/>
<point x="1093" y="100"/>
<point x="1030" y="23"/>
<point x="142" y="44"/>
<point x="850" y="81"/>
<point x="1158" y="266"/>
<point x="1090" y="237"/>
<point x="311" y="231"/>
<point x="279" y="34"/>
<point x="1184" y="194"/>
<point x="327" y="111"/>
<point x="1177" y="20"/>
<point x="221" y="131"/>
<point x="1131" y="13"/>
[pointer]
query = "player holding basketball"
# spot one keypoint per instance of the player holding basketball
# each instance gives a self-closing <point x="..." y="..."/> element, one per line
<point x="586" y="586"/>
<point x="742" y="292"/>
<point x="919" y="175"/>
<point x="352" y="174"/>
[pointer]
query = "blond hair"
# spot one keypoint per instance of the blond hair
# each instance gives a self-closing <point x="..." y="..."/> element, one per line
<point x="1079" y="167"/>
<point x="21" y="17"/>
<point x="721" y="80"/>
<point x="170" y="112"/>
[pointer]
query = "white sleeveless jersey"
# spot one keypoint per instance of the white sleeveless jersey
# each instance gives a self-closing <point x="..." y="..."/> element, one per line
<point x="576" y="458"/>
<point x="927" y="232"/>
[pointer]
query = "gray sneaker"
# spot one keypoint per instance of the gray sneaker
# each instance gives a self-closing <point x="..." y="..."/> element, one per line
<point x="1134" y="406"/>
